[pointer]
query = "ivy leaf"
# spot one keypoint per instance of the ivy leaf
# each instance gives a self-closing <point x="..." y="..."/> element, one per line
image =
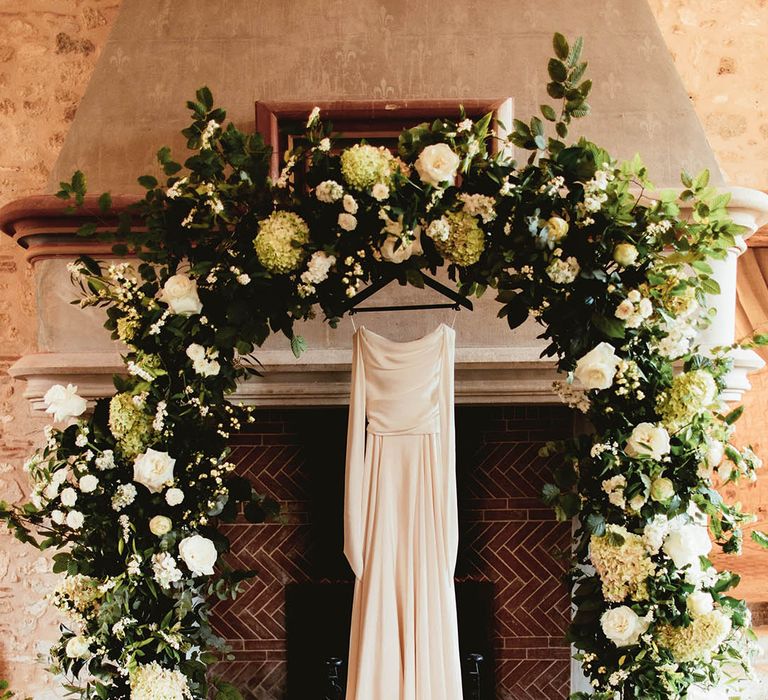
<point x="550" y="493"/>
<point x="298" y="345"/>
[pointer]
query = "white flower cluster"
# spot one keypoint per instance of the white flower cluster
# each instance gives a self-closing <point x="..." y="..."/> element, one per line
<point x="677" y="340"/>
<point x="329" y="191"/>
<point x="204" y="360"/>
<point x="208" y="133"/>
<point x="479" y="205"/>
<point x="165" y="570"/>
<point x="634" y="309"/>
<point x="563" y="271"/>
<point x="124" y="495"/>
<point x="614" y="488"/>
<point x="105" y="461"/>
<point x="572" y="396"/>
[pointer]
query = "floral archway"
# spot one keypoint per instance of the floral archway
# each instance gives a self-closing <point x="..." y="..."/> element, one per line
<point x="130" y="495"/>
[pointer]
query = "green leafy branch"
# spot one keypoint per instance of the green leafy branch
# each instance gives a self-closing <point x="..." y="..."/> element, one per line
<point x="566" y="70"/>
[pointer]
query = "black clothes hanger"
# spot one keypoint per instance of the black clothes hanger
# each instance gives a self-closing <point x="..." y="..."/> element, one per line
<point x="457" y="299"/>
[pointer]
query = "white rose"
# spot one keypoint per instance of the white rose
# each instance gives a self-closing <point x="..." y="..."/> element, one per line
<point x="57" y="516"/>
<point x="68" y="497"/>
<point x="623" y="626"/>
<point x="349" y="204"/>
<point x="347" y="221"/>
<point x="403" y="251"/>
<point x="645" y="307"/>
<point x="196" y="352"/>
<point x="174" y="497"/>
<point x="662" y="489"/>
<point x="88" y="483"/>
<point x="180" y="293"/>
<point x="380" y="191"/>
<point x="160" y="525"/>
<point x="199" y="554"/>
<point x="78" y="648"/>
<point x="597" y="368"/>
<point x="75" y="519"/>
<point x="625" y="254"/>
<point x="153" y="469"/>
<point x="686" y="544"/>
<point x="436" y="164"/>
<point x="63" y="402"/>
<point x="700" y="603"/>
<point x="648" y="440"/>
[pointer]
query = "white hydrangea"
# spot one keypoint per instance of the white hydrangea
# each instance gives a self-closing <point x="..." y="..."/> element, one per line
<point x="106" y="460"/>
<point x="153" y="682"/>
<point x="439" y="229"/>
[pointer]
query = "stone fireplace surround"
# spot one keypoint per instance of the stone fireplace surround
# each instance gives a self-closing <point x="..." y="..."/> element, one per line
<point x="509" y="540"/>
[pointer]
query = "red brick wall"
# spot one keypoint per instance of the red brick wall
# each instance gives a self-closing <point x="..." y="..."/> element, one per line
<point x="507" y="538"/>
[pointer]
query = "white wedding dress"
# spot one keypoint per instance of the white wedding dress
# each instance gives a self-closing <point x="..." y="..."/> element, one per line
<point x="400" y="520"/>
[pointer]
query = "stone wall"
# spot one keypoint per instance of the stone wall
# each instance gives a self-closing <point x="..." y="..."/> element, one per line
<point x="47" y="51"/>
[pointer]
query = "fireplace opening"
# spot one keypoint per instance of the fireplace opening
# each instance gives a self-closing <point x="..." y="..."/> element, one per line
<point x="295" y="615"/>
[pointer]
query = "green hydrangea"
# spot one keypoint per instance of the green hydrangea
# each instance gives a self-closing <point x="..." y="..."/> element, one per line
<point x="130" y="425"/>
<point x="363" y="166"/>
<point x="465" y="242"/>
<point x="689" y="394"/>
<point x="280" y="240"/>
<point x="698" y="640"/>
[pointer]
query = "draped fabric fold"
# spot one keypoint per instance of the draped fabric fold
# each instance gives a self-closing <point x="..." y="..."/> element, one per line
<point x="401" y="522"/>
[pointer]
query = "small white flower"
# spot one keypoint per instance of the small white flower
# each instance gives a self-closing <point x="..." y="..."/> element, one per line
<point x="58" y="517"/>
<point x="347" y="221"/>
<point x="243" y="279"/>
<point x="324" y="145"/>
<point x="174" y="496"/>
<point x="88" y="483"/>
<point x="75" y="519"/>
<point x="314" y="115"/>
<point x="68" y="497"/>
<point x="465" y="125"/>
<point x="78" y="648"/>
<point x="380" y="192"/>
<point x="662" y="489"/>
<point x="124" y="495"/>
<point x="625" y="254"/>
<point x="63" y="402"/>
<point x="349" y="204"/>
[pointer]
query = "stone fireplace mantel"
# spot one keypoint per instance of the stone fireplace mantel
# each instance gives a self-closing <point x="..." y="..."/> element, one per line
<point x="493" y="365"/>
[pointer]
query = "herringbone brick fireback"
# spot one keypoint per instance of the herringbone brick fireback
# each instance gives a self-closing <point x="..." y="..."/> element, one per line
<point x="508" y="539"/>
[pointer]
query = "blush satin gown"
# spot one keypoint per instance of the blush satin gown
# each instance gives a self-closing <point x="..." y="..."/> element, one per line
<point x="400" y="519"/>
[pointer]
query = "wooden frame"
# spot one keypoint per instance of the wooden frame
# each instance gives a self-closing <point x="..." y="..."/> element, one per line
<point x="377" y="121"/>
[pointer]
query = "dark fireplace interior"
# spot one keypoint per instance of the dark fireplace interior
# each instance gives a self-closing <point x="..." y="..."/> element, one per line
<point x="294" y="616"/>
